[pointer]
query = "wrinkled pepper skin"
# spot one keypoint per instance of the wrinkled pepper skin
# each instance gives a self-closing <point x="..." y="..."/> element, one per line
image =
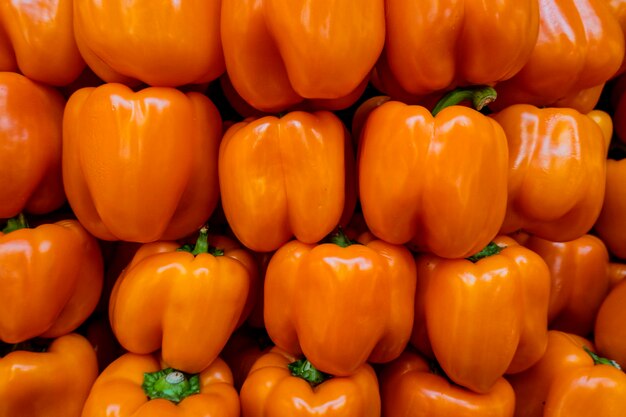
<point x="611" y="224"/>
<point x="161" y="285"/>
<point x="480" y="43"/>
<point x="579" y="281"/>
<point x="50" y="280"/>
<point x="311" y="305"/>
<point x="30" y="147"/>
<point x="580" y="46"/>
<point x="285" y="177"/>
<point x="421" y="179"/>
<point x="279" y="53"/>
<point x="409" y="388"/>
<point x="37" y="39"/>
<point x="609" y="330"/>
<point x="513" y="331"/>
<point x="272" y="391"/>
<point x="140" y="166"/>
<point x="48" y="384"/>
<point x="564" y="353"/>
<point x="118" y="390"/>
<point x="179" y="40"/>
<point x="557" y="168"/>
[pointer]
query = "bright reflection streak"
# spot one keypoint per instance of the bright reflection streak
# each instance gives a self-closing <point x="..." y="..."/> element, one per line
<point x="335" y="404"/>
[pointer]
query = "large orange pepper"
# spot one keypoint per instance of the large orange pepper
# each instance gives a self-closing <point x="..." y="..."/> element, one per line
<point x="564" y="352"/>
<point x="50" y="279"/>
<point x="340" y="304"/>
<point x="37" y="38"/>
<point x="30" y="146"/>
<point x="580" y="46"/>
<point x="279" y="53"/>
<point x="165" y="44"/>
<point x="185" y="302"/>
<point x="410" y="387"/>
<point x="609" y="329"/>
<point x="287" y="176"/>
<point x="142" y="386"/>
<point x="140" y="166"/>
<point x="619" y="10"/>
<point x="557" y="168"/>
<point x="280" y="384"/>
<point x="513" y="325"/>
<point x="426" y="180"/>
<point x="47" y="381"/>
<point x="579" y="271"/>
<point x="596" y="388"/>
<point x="436" y="45"/>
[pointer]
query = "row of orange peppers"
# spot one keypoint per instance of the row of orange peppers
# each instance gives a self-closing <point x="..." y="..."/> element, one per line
<point x="344" y="306"/>
<point x="541" y="52"/>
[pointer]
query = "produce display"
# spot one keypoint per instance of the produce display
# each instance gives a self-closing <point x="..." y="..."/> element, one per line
<point x="349" y="208"/>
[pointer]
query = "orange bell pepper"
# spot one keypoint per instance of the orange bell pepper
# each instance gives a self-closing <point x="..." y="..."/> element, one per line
<point x="439" y="45"/>
<point x="285" y="177"/>
<point x="278" y="54"/>
<point x="142" y="386"/>
<point x="49" y="381"/>
<point x="564" y="352"/>
<point x="609" y="330"/>
<point x="580" y="46"/>
<point x="164" y="44"/>
<point x="579" y="281"/>
<point x="282" y="385"/>
<point x="37" y="38"/>
<point x="340" y="304"/>
<point x="421" y="179"/>
<point x="619" y="11"/>
<point x="513" y="330"/>
<point x="611" y="224"/>
<point x="210" y="287"/>
<point x="50" y="279"/>
<point x="140" y="166"/>
<point x="600" y="382"/>
<point x="409" y="387"/>
<point x="557" y="168"/>
<point x="617" y="274"/>
<point x="30" y="147"/>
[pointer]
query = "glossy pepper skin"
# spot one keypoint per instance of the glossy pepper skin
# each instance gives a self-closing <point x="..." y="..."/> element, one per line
<point x="37" y="39"/>
<point x="513" y="330"/>
<point x="211" y="291"/>
<point x="312" y="307"/>
<point x="278" y="54"/>
<point x="420" y="179"/>
<point x="609" y="332"/>
<point x="557" y="168"/>
<point x="30" y="147"/>
<point x="140" y="166"/>
<point x="285" y="177"/>
<point x="271" y="390"/>
<point x="410" y="388"/>
<point x="50" y="280"/>
<point x="580" y="46"/>
<point x="480" y="43"/>
<point x="564" y="353"/>
<point x="52" y="383"/>
<point x="579" y="271"/>
<point x="179" y="40"/>
<point x="611" y="224"/>
<point x="119" y="388"/>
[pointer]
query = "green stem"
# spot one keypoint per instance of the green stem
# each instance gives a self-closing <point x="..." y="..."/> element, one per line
<point x="170" y="384"/>
<point x="32" y="345"/>
<point x="479" y="96"/>
<point x="597" y="360"/>
<point x="489" y="250"/>
<point x="202" y="245"/>
<point x="341" y="239"/>
<point x="304" y="369"/>
<point x="16" y="223"/>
